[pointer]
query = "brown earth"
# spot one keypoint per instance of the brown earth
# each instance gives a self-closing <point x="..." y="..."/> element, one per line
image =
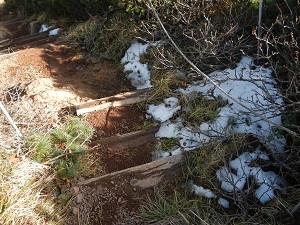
<point x="41" y="81"/>
<point x="114" y="121"/>
<point x="111" y="202"/>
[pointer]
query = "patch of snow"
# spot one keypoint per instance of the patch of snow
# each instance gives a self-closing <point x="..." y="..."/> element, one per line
<point x="164" y="111"/>
<point x="160" y="154"/>
<point x="177" y="151"/>
<point x="139" y="73"/>
<point x="223" y="202"/>
<point x="267" y="182"/>
<point x="254" y="87"/>
<point x="168" y="130"/>
<point x="44" y="28"/>
<point x="198" y="190"/>
<point x="54" y="32"/>
<point x="251" y="85"/>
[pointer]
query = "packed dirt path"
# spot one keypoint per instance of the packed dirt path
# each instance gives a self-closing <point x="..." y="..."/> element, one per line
<point x="56" y="75"/>
<point x="41" y="82"/>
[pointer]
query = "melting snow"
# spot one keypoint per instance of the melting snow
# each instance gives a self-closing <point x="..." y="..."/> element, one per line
<point x="223" y="202"/>
<point x="203" y="192"/>
<point x="52" y="32"/>
<point x="250" y="84"/>
<point x="267" y="182"/>
<point x="44" y="28"/>
<point x="139" y="73"/>
<point x="164" y="111"/>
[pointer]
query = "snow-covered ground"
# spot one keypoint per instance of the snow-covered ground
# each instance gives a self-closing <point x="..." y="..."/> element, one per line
<point x="52" y="32"/>
<point x="248" y="83"/>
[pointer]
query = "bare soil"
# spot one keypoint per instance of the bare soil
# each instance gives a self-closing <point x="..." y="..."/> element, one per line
<point x="56" y="76"/>
<point x="111" y="202"/>
<point x="115" y="121"/>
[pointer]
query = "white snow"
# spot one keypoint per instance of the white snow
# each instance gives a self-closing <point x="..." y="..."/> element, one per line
<point x="168" y="130"/>
<point x="44" y="28"/>
<point x="198" y="190"/>
<point x="54" y="32"/>
<point x="164" y="111"/>
<point x="267" y="182"/>
<point x="251" y="85"/>
<point x="223" y="202"/>
<point x="139" y="73"/>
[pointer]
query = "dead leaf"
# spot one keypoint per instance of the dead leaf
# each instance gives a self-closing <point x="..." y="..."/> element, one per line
<point x="14" y="158"/>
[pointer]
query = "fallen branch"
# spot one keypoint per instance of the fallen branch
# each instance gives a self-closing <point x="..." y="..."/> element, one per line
<point x="10" y="120"/>
<point x="295" y="209"/>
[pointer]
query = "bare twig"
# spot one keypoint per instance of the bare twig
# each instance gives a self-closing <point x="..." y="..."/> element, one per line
<point x="295" y="209"/>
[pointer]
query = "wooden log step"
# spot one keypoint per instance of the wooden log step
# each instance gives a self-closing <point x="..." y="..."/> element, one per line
<point x="143" y="176"/>
<point x="11" y="22"/>
<point x="14" y="48"/>
<point x="29" y="38"/>
<point x="128" y="140"/>
<point x="125" y="98"/>
<point x="18" y="42"/>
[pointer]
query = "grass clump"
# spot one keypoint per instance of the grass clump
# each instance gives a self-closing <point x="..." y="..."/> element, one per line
<point x="179" y="205"/>
<point x="74" y="132"/>
<point x="168" y="143"/>
<point x="198" y="109"/>
<point x="63" y="148"/>
<point x="105" y="36"/>
<point x="165" y="82"/>
<point x="35" y="189"/>
<point x="161" y="207"/>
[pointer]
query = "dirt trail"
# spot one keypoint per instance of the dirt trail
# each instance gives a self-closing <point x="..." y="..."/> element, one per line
<point x="49" y="76"/>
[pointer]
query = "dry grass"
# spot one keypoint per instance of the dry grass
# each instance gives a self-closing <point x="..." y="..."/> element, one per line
<point x="177" y="203"/>
<point x="23" y="199"/>
<point x="29" y="190"/>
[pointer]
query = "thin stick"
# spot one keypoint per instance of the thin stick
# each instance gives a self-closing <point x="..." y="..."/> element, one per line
<point x="215" y="84"/>
<point x="295" y="209"/>
<point x="259" y="27"/>
<point x="10" y="120"/>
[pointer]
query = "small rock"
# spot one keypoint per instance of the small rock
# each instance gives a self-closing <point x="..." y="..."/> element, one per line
<point x="100" y="132"/>
<point x="112" y="182"/>
<point x="133" y="181"/>
<point x="74" y="190"/>
<point x="134" y="189"/>
<point x="79" y="198"/>
<point x="81" y="179"/>
<point x="79" y="58"/>
<point x="92" y="60"/>
<point x="75" y="210"/>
